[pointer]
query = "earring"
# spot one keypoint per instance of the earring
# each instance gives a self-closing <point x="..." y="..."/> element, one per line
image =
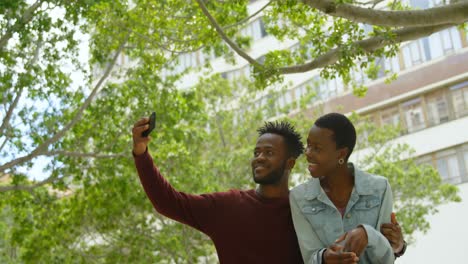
<point x="341" y="161"/>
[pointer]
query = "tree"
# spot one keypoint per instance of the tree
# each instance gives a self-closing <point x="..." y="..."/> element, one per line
<point x="87" y="204"/>
<point x="331" y="32"/>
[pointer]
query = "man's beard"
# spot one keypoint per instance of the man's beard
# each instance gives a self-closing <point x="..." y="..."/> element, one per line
<point x="273" y="177"/>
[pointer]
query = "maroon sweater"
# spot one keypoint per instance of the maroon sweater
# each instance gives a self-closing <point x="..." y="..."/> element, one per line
<point x="244" y="227"/>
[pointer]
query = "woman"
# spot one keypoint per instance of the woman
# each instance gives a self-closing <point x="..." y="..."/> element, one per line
<point x="338" y="213"/>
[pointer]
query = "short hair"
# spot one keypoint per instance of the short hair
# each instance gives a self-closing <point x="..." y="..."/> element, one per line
<point x="291" y="137"/>
<point x="344" y="133"/>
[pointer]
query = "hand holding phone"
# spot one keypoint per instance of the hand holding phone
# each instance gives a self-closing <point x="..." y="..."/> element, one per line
<point x="152" y="125"/>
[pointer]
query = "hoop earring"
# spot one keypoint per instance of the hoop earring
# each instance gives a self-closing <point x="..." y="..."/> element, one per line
<point x="341" y="161"/>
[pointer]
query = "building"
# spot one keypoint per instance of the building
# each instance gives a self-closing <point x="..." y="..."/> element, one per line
<point x="429" y="100"/>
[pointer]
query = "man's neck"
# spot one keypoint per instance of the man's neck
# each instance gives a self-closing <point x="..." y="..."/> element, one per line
<point x="272" y="191"/>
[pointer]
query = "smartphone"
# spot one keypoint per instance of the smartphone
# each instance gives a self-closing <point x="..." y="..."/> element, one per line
<point x="152" y="125"/>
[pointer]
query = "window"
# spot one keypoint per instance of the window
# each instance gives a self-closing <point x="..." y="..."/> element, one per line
<point x="413" y="54"/>
<point x="390" y="117"/>
<point x="287" y="99"/>
<point x="185" y="61"/>
<point x="364" y="128"/>
<point x="280" y="103"/>
<point x="322" y="88"/>
<point x="302" y="50"/>
<point x="465" y="157"/>
<point x="268" y="106"/>
<point x="437" y="109"/>
<point x="445" y="42"/>
<point x="435" y="44"/>
<point x="313" y="86"/>
<point x="459" y="95"/>
<point x="391" y="65"/>
<point x="359" y="76"/>
<point x="447" y="165"/>
<point x="255" y="30"/>
<point x="414" y="115"/>
<point x="236" y="74"/>
<point x="451" y="39"/>
<point x="335" y="87"/>
<point x="299" y="92"/>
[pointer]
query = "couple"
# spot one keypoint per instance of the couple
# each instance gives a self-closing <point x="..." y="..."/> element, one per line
<point x="341" y="215"/>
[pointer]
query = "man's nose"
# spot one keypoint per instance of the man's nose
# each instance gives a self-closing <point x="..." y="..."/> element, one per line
<point x="260" y="156"/>
<point x="308" y="152"/>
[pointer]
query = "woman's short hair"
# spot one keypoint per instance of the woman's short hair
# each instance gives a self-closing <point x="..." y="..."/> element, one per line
<point x="344" y="133"/>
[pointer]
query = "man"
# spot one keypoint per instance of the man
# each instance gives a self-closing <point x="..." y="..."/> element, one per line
<point x="246" y="226"/>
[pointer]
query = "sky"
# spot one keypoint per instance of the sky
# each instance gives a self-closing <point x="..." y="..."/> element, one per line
<point x="36" y="172"/>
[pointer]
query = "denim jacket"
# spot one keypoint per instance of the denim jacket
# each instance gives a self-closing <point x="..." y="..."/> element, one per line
<point x="318" y="223"/>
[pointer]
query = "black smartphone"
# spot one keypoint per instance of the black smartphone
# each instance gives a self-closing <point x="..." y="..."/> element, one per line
<point x="152" y="125"/>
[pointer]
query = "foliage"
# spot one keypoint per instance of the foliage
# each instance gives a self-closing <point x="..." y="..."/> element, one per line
<point x="70" y="193"/>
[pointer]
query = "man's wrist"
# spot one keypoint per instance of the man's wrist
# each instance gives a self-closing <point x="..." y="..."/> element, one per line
<point x="402" y="251"/>
<point x="323" y="256"/>
<point x="138" y="151"/>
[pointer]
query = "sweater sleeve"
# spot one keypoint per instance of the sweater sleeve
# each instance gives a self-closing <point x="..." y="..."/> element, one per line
<point x="197" y="211"/>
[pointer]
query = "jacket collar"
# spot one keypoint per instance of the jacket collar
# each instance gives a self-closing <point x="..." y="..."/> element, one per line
<point x="361" y="185"/>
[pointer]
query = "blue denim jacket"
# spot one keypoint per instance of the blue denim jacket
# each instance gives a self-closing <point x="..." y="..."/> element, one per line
<point x="318" y="223"/>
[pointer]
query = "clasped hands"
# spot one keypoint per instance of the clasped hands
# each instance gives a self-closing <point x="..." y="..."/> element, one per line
<point x="348" y="247"/>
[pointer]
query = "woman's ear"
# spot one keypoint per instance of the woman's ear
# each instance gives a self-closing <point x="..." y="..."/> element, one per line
<point x="343" y="153"/>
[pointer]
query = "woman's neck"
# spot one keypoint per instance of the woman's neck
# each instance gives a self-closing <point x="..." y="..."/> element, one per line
<point x="338" y="186"/>
<point x="340" y="179"/>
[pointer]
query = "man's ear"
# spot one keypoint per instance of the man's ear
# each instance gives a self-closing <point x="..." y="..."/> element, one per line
<point x="290" y="163"/>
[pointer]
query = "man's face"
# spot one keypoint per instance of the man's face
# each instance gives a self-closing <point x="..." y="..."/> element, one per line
<point x="269" y="161"/>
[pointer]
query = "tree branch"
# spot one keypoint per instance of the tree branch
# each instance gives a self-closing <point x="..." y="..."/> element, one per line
<point x="368" y="45"/>
<point x="5" y="140"/>
<point x="164" y="47"/>
<point x="6" y="119"/>
<point x="247" y="18"/>
<point x="223" y="35"/>
<point x="9" y="114"/>
<point x="41" y="149"/>
<point x="456" y="13"/>
<point x="25" y="18"/>
<point x="28" y="188"/>
<point x="83" y="155"/>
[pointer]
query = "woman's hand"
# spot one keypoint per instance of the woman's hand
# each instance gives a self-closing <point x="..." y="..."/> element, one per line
<point x="392" y="231"/>
<point x="334" y="254"/>
<point x="354" y="240"/>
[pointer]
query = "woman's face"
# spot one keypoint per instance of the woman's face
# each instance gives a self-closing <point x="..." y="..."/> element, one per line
<point x="321" y="152"/>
